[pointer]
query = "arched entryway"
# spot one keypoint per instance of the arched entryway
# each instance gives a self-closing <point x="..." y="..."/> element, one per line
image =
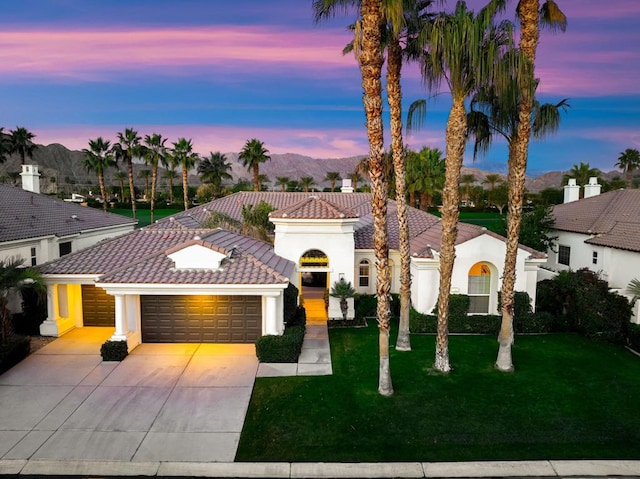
<point x="314" y="283"/>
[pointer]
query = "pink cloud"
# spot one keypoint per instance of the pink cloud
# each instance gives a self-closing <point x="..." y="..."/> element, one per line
<point x="93" y="53"/>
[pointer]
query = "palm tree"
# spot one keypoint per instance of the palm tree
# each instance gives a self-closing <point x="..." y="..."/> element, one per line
<point x="467" y="180"/>
<point x="22" y="143"/>
<point x="355" y="178"/>
<point x="14" y="176"/>
<point x="282" y="182"/>
<point x="13" y="276"/>
<point x="5" y="145"/>
<point x="628" y="161"/>
<point x="307" y="182"/>
<point x="581" y="173"/>
<point x="170" y="164"/>
<point x="146" y="176"/>
<point x="492" y="179"/>
<point x="496" y="110"/>
<point x="98" y="158"/>
<point x="214" y="169"/>
<point x="333" y="177"/>
<point x="127" y="147"/>
<point x="425" y="176"/>
<point x="121" y="177"/>
<point x="253" y="153"/>
<point x="155" y="151"/>
<point x="185" y="157"/>
<point x="461" y="48"/>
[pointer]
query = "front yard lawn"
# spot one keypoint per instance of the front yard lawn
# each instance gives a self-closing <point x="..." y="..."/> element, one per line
<point x="570" y="398"/>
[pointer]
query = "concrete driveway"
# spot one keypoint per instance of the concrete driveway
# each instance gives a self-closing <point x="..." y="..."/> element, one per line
<point x="164" y="402"/>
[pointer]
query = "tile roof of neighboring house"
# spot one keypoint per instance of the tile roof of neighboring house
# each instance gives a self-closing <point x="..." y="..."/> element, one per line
<point x="24" y="215"/>
<point x="314" y="207"/>
<point x="612" y="218"/>
<point x="141" y="257"/>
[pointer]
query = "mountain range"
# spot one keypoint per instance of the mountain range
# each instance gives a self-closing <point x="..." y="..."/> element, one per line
<point x="63" y="170"/>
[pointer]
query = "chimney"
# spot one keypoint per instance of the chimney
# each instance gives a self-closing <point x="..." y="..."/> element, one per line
<point x="571" y="191"/>
<point x="346" y="186"/>
<point x="593" y="188"/>
<point x="30" y="178"/>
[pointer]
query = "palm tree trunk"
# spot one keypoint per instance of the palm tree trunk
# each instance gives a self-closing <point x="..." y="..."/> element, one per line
<point x="455" y="137"/>
<point x="170" y="189"/>
<point x="154" y="181"/>
<point x="132" y="188"/>
<point x="529" y="18"/>
<point x="394" y="95"/>
<point x="424" y="201"/>
<point x="185" y="191"/>
<point x="103" y="193"/>
<point x="256" y="177"/>
<point x="412" y="199"/>
<point x="371" y="70"/>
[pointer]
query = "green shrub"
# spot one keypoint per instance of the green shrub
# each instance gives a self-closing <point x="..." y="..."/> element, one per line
<point x="458" y="306"/>
<point x="114" y="350"/>
<point x="365" y="305"/>
<point x="634" y="337"/>
<point x="281" y="349"/>
<point x="476" y="324"/>
<point x="290" y="304"/>
<point x="422" y="323"/>
<point x="538" y="322"/>
<point x="13" y="352"/>
<point x="521" y="304"/>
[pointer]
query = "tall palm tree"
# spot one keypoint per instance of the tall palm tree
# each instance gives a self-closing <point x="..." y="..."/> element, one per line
<point x="154" y="154"/>
<point x="492" y="179"/>
<point x="333" y="177"/>
<point x="5" y="145"/>
<point x="628" y="161"/>
<point x="307" y="182"/>
<point x="121" y="176"/>
<point x="581" y="172"/>
<point x="126" y="149"/>
<point x="529" y="16"/>
<point x="170" y="164"/>
<point x="425" y="176"/>
<point x="145" y="175"/>
<point x="98" y="157"/>
<point x="22" y="143"/>
<point x="282" y="182"/>
<point x="185" y="157"/>
<point x="467" y="180"/>
<point x="252" y="155"/>
<point x="13" y="276"/>
<point x="463" y="49"/>
<point x="214" y="169"/>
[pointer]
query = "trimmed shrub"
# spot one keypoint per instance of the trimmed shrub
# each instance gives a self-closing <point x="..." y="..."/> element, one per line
<point x="538" y="322"/>
<point x="114" y="350"/>
<point x="634" y="337"/>
<point x="521" y="304"/>
<point x="365" y="305"/>
<point x="458" y="306"/>
<point x="13" y="352"/>
<point x="290" y="304"/>
<point x="281" y="349"/>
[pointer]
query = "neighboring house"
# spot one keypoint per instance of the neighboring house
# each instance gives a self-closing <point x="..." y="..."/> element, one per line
<point x="600" y="233"/>
<point x="176" y="281"/>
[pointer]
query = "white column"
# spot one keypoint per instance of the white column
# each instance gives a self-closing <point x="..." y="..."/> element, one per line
<point x="49" y="326"/>
<point x="121" y="319"/>
<point x="271" y="316"/>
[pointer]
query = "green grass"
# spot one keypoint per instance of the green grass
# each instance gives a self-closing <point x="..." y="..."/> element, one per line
<point x="569" y="398"/>
<point x="492" y="221"/>
<point x="144" y="216"/>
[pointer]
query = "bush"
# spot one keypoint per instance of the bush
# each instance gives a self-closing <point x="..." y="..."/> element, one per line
<point x="281" y="349"/>
<point x="634" y="337"/>
<point x="538" y="322"/>
<point x="13" y="352"/>
<point x="458" y="306"/>
<point x="521" y="304"/>
<point x="290" y="304"/>
<point x="114" y="350"/>
<point x="365" y="305"/>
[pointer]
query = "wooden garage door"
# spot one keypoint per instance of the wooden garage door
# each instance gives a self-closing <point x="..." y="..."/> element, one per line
<point x="98" y="307"/>
<point x="201" y="319"/>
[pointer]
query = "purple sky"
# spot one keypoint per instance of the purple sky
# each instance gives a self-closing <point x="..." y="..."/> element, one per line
<point x="223" y="72"/>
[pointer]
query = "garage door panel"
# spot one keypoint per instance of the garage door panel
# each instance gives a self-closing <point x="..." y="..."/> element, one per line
<point x="98" y="307"/>
<point x="201" y="319"/>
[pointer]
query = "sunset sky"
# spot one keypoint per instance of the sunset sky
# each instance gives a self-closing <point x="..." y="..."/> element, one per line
<point x="222" y="72"/>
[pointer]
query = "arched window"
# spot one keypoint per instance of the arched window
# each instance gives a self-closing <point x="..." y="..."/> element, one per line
<point x="364" y="273"/>
<point x="479" y="288"/>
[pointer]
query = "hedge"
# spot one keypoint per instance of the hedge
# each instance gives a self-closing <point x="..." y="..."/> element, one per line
<point x="281" y="349"/>
<point x="114" y="350"/>
<point x="13" y="352"/>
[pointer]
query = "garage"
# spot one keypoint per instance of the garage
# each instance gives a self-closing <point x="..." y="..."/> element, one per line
<point x="98" y="307"/>
<point x="201" y="319"/>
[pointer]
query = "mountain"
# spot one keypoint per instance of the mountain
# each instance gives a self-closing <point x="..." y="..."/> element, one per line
<point x="63" y="170"/>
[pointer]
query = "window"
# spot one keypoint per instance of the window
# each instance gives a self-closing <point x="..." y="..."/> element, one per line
<point x="479" y="288"/>
<point x="564" y="255"/>
<point x="594" y="257"/>
<point x="65" y="248"/>
<point x="363" y="274"/>
<point x="34" y="258"/>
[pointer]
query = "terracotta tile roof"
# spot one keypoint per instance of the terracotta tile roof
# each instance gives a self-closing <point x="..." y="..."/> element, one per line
<point x="612" y="218"/>
<point x="24" y="214"/>
<point x="314" y="207"/>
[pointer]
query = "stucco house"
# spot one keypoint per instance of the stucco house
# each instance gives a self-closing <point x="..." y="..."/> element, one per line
<point x="176" y="281"/>
<point x="601" y="233"/>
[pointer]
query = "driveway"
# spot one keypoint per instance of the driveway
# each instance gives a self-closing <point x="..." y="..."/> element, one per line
<point x="164" y="402"/>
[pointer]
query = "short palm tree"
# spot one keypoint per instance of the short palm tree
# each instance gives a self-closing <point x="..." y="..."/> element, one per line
<point x="22" y="143"/>
<point x="628" y="162"/>
<point x="126" y="149"/>
<point x="252" y="155"/>
<point x="634" y="288"/>
<point x="145" y="175"/>
<point x="425" y="176"/>
<point x="121" y="176"/>
<point x="98" y="157"/>
<point x="154" y="154"/>
<point x="13" y="276"/>
<point x="214" y="170"/>
<point x="170" y="164"/>
<point x="185" y="157"/>
<point x="467" y="180"/>
<point x="581" y="172"/>
<point x="282" y="182"/>
<point x="356" y="178"/>
<point x="333" y="177"/>
<point x="343" y="290"/>
<point x="307" y="182"/>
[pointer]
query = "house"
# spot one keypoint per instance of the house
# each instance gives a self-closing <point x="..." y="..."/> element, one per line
<point x="177" y="281"/>
<point x="600" y="232"/>
<point x="41" y="228"/>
